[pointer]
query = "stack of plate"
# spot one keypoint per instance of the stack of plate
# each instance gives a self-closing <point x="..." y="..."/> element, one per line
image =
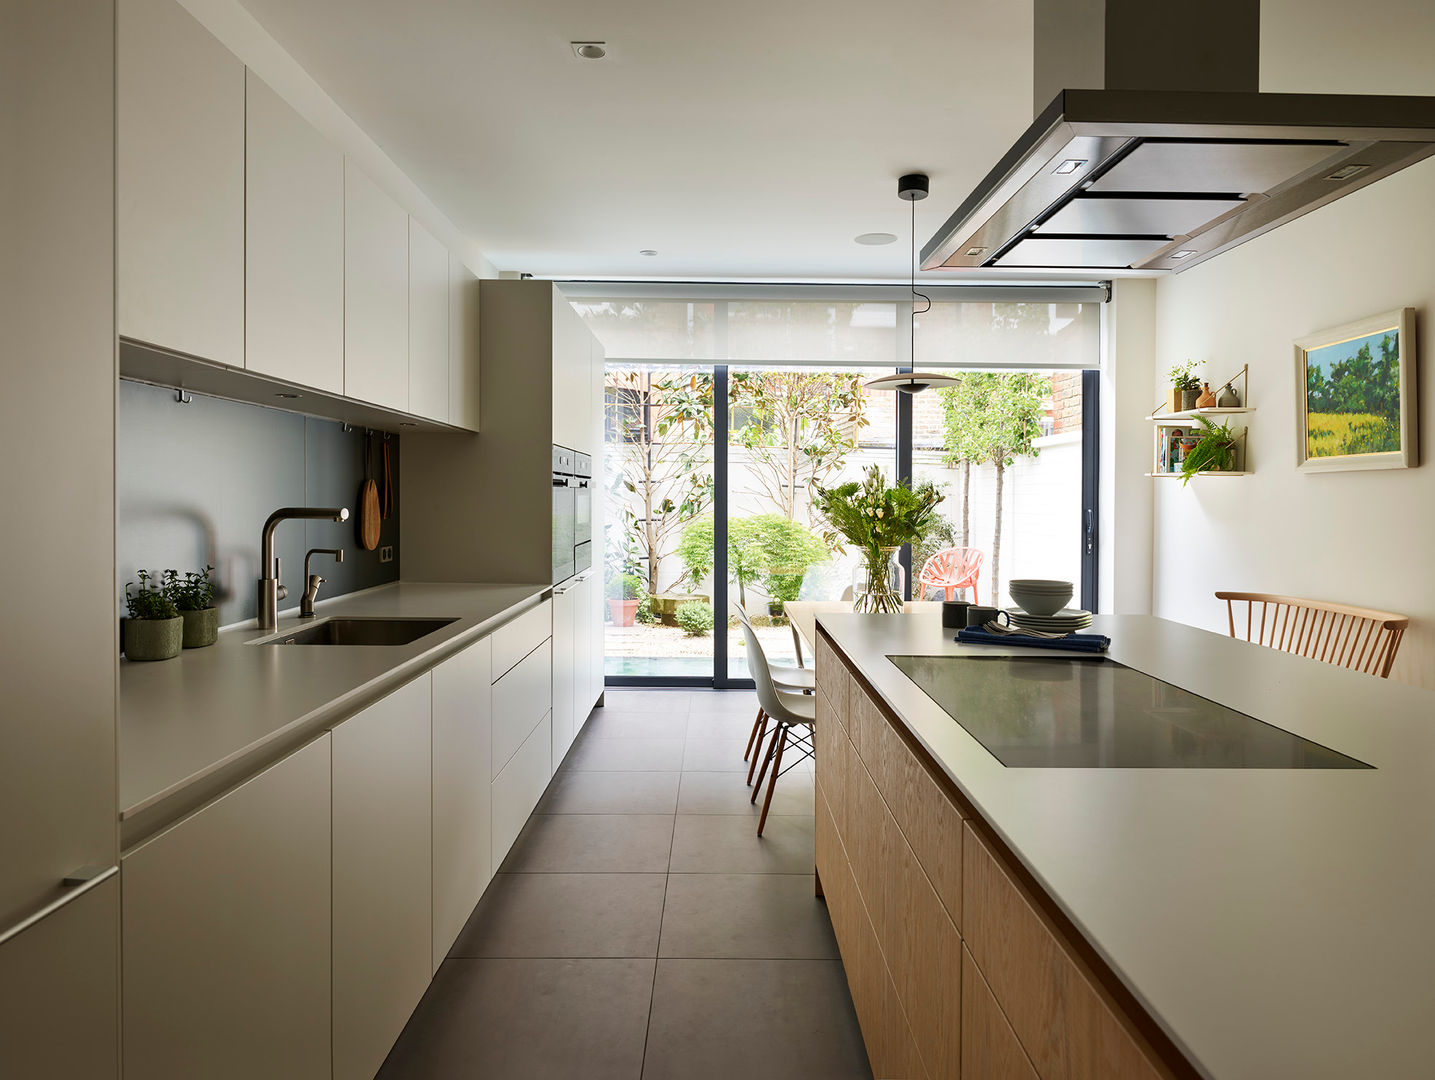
<point x="1063" y="622"/>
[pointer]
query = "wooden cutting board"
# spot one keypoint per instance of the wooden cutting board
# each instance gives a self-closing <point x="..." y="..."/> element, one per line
<point x="368" y="522"/>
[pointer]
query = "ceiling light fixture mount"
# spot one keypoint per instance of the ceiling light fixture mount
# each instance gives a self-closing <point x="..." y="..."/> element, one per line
<point x="589" y="50"/>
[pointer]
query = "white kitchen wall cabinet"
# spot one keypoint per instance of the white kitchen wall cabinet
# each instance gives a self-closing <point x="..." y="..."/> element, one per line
<point x="462" y="345"/>
<point x="572" y="374"/>
<point x="179" y="173"/>
<point x="517" y="789"/>
<point x="376" y="293"/>
<point x="462" y="777"/>
<point x="225" y="933"/>
<point x="566" y="599"/>
<point x="429" y="290"/>
<point x="383" y="875"/>
<point x="58" y="980"/>
<point x="294" y="245"/>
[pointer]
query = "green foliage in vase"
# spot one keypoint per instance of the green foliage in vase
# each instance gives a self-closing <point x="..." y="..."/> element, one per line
<point x="194" y="593"/>
<point x="695" y="617"/>
<point x="1183" y="376"/>
<point x="1215" y="451"/>
<point x="873" y="516"/>
<point x="149" y="600"/>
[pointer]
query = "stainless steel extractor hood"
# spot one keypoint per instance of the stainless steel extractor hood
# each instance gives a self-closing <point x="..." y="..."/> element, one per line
<point x="1163" y="180"/>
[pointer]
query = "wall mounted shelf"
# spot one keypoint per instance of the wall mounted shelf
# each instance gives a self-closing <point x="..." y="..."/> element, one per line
<point x="1164" y="459"/>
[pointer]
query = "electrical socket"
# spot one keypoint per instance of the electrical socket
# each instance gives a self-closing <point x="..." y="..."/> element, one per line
<point x="386" y="553"/>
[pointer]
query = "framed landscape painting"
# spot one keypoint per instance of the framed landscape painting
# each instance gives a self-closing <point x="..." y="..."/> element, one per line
<point x="1355" y="395"/>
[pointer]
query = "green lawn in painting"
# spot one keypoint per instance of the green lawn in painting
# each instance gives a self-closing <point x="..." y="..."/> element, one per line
<point x="1353" y="396"/>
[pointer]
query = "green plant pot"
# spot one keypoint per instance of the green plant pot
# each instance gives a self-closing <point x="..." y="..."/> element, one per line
<point x="201" y="627"/>
<point x="153" y="639"/>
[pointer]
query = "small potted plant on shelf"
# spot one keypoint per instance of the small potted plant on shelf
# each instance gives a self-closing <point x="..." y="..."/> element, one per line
<point x="194" y="597"/>
<point x="154" y="629"/>
<point x="625" y="593"/>
<point x="1185" y="388"/>
<point x="1214" y="451"/>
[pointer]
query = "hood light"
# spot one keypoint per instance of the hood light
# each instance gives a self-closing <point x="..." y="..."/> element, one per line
<point x="1345" y="172"/>
<point x="1070" y="165"/>
<point x="1184" y="253"/>
<point x="972" y="252"/>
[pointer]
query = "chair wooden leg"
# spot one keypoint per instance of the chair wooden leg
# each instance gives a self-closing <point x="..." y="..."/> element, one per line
<point x="772" y="781"/>
<point x="757" y="747"/>
<point x="752" y="738"/>
<point x="767" y="760"/>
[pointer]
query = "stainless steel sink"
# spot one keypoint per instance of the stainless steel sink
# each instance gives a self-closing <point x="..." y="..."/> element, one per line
<point x="359" y="631"/>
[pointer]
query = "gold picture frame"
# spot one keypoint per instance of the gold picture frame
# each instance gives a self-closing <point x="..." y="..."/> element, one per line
<point x="1356" y="404"/>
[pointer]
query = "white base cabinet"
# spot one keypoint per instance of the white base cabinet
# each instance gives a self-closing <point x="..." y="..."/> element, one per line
<point x="225" y="932"/>
<point x="383" y="875"/>
<point x="517" y="789"/>
<point x="565" y="667"/>
<point x="462" y="776"/>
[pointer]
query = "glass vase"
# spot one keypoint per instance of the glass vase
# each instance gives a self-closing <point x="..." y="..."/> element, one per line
<point x="878" y="583"/>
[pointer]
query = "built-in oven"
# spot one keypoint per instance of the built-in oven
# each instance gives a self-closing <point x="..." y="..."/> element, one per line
<point x="582" y="512"/>
<point x="565" y="490"/>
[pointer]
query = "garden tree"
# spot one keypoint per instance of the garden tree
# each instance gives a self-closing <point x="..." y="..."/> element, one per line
<point x="766" y="546"/>
<point x="956" y="413"/>
<point x="996" y="418"/>
<point x="797" y="427"/>
<point x="661" y="432"/>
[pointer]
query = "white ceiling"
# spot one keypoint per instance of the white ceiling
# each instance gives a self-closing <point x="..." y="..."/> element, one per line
<point x="747" y="140"/>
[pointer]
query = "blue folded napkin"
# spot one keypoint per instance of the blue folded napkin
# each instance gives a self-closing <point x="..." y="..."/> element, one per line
<point x="1086" y="643"/>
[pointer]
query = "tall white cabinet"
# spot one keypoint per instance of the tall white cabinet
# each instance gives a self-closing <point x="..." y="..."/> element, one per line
<point x="293" y="245"/>
<point x="179" y="176"/>
<point x="376" y="293"/>
<point x="429" y="290"/>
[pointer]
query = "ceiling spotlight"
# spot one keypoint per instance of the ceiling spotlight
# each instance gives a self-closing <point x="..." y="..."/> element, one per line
<point x="589" y="50"/>
<point x="875" y="239"/>
<point x="1184" y="253"/>
<point x="1070" y="165"/>
<point x="647" y="251"/>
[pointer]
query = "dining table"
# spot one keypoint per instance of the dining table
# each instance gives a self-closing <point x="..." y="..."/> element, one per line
<point x="802" y="614"/>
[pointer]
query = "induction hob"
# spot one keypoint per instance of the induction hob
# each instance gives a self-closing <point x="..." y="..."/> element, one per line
<point x="1055" y="712"/>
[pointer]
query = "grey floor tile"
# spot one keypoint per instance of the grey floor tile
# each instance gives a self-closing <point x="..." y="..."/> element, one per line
<point x="627" y="724"/>
<point x="714" y="755"/>
<point x="673" y="702"/>
<point x="575" y="791"/>
<point x="723" y="844"/>
<point x="567" y="915"/>
<point x="626" y="755"/>
<point x="736" y="726"/>
<point x="754" y="916"/>
<point x="596" y="844"/>
<point x="528" y="1019"/>
<point x="726" y="793"/>
<point x="754" y="1019"/>
<point x="723" y="702"/>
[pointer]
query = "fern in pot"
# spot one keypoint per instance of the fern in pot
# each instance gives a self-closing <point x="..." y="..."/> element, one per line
<point x="194" y="597"/>
<point x="1215" y="451"/>
<point x="154" y="629"/>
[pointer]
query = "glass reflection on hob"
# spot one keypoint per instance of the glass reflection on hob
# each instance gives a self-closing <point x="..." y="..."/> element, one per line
<point x="1093" y="713"/>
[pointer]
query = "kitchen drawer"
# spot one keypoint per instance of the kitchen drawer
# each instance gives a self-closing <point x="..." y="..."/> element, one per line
<point x="831" y="745"/>
<point x="831" y="679"/>
<point x="517" y="789"/>
<point x="521" y="699"/>
<point x="868" y="839"/>
<point x="990" y="1050"/>
<point x="1068" y="1025"/>
<point x="517" y="638"/>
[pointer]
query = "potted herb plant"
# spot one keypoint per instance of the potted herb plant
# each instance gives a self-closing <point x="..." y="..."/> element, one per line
<point x="194" y="597"/>
<point x="878" y="519"/>
<point x="154" y="629"/>
<point x="1185" y="388"/>
<point x="625" y="593"/>
<point x="1215" y="451"/>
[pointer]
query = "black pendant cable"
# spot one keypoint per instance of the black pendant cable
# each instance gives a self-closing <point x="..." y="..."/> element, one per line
<point x="913" y="187"/>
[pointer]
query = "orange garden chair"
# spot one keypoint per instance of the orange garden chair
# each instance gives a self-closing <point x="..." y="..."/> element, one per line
<point x="951" y="569"/>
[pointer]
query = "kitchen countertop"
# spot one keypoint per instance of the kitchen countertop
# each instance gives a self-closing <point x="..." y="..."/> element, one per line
<point x="1276" y="923"/>
<point x="197" y="724"/>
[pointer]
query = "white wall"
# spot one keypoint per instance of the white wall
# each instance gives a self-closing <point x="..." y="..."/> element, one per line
<point x="1125" y="528"/>
<point x="1359" y="537"/>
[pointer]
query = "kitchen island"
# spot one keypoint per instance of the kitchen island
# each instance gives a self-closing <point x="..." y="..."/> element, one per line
<point x="1127" y="921"/>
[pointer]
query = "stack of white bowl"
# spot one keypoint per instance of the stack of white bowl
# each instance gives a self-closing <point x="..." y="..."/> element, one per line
<point x="1043" y="606"/>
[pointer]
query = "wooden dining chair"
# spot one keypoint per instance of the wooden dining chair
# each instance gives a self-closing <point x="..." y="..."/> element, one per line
<point x="1358" y="638"/>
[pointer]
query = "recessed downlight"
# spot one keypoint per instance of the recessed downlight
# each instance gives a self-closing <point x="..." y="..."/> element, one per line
<point x="875" y="239"/>
<point x="589" y="50"/>
<point x="1184" y="253"/>
<point x="648" y="252"/>
<point x="1070" y="165"/>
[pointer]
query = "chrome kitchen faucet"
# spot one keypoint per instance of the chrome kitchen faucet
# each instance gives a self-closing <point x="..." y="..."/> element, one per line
<point x="313" y="581"/>
<point x="271" y="590"/>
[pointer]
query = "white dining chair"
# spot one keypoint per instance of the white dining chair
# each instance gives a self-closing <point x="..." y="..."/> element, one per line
<point x="785" y="676"/>
<point x="793" y="714"/>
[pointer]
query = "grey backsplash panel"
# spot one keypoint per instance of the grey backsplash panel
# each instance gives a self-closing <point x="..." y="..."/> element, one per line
<point x="195" y="483"/>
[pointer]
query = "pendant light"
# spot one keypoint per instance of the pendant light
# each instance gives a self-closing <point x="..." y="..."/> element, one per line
<point x="911" y="188"/>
